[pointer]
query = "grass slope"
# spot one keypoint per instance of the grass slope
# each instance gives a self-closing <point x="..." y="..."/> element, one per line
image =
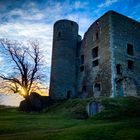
<point x="120" y="121"/>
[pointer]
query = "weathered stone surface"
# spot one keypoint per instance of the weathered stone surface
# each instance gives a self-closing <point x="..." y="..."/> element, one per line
<point x="100" y="74"/>
<point x="63" y="78"/>
<point x="126" y="31"/>
<point x="79" y="70"/>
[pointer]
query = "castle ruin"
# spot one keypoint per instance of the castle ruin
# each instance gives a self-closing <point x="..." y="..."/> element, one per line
<point x="106" y="62"/>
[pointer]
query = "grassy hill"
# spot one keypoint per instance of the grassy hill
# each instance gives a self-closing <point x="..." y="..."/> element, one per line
<point x="68" y="121"/>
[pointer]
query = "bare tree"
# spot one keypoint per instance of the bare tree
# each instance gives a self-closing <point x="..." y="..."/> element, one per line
<point x="26" y="64"/>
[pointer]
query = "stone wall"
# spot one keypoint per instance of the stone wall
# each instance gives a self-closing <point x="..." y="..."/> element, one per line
<point x="63" y="72"/>
<point x="126" y="31"/>
<point x="97" y="36"/>
<point x="105" y="63"/>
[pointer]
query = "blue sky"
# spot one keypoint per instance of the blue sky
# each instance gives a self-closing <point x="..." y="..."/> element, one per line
<point x="33" y="19"/>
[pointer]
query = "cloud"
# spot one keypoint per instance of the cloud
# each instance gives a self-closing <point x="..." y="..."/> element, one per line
<point x="34" y="19"/>
<point x="83" y="21"/>
<point x="27" y="31"/>
<point x="32" y="23"/>
<point x="107" y="3"/>
<point x="29" y="21"/>
<point x="135" y="13"/>
<point x="24" y="32"/>
<point x="50" y="11"/>
<point x="22" y="14"/>
<point x="80" y="5"/>
<point x="1" y="61"/>
<point x="10" y="99"/>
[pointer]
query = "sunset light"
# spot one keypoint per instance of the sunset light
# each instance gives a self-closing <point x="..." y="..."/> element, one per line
<point x="69" y="69"/>
<point x="38" y="88"/>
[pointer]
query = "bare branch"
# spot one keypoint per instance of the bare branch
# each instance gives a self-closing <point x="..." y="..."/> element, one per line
<point x="27" y="63"/>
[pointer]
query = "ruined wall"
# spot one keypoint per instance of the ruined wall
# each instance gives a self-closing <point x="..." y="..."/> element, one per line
<point x="63" y="69"/>
<point x="96" y="79"/>
<point x="105" y="63"/>
<point x="126" y="31"/>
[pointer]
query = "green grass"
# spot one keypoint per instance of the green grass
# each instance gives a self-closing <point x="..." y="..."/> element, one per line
<point x="63" y="122"/>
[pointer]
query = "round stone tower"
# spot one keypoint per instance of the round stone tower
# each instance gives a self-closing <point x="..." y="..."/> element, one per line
<point x="63" y="69"/>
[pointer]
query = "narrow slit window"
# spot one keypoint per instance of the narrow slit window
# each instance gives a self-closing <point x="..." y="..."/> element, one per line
<point x="97" y="35"/>
<point x="82" y="59"/>
<point x="59" y="34"/>
<point x="118" y="69"/>
<point x="130" y="49"/>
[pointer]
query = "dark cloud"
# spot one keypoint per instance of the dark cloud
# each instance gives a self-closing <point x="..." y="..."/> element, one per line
<point x="33" y="19"/>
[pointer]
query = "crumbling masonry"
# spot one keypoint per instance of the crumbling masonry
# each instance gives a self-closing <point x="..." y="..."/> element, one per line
<point x="106" y="62"/>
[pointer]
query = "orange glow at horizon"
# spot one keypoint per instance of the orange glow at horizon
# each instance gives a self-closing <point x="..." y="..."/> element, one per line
<point x="36" y="87"/>
<point x="13" y="99"/>
<point x="40" y="89"/>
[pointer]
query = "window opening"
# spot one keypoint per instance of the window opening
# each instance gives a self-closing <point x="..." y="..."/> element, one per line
<point x="82" y="68"/>
<point x="118" y="69"/>
<point x="68" y="94"/>
<point x="59" y="34"/>
<point x="130" y="64"/>
<point x="82" y="59"/>
<point x="95" y="63"/>
<point x="97" y="36"/>
<point x="130" y="49"/>
<point x="95" y="52"/>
